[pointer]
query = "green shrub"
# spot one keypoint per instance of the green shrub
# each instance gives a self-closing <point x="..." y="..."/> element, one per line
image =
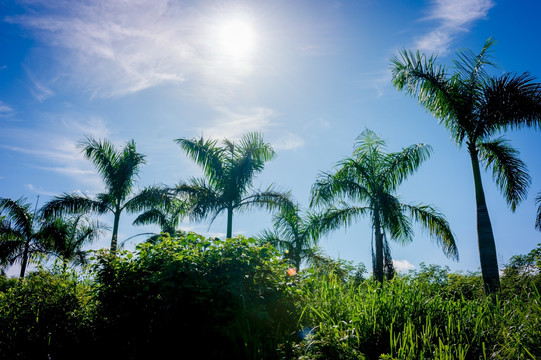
<point x="44" y="316"/>
<point x="218" y="299"/>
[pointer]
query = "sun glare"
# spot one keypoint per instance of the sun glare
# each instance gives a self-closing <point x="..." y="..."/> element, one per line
<point x="236" y="38"/>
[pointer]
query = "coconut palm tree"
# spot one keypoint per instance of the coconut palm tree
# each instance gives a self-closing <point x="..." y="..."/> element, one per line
<point x="229" y="172"/>
<point x="119" y="170"/>
<point x="476" y="107"/>
<point x="371" y="178"/>
<point x="23" y="233"/>
<point x="294" y="234"/>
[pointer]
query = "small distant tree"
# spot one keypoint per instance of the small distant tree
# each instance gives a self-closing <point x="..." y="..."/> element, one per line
<point x="294" y="235"/>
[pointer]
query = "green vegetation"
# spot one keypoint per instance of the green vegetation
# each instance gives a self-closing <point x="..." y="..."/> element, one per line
<point x="181" y="293"/>
<point x="475" y="107"/>
<point x="225" y="299"/>
<point x="371" y="176"/>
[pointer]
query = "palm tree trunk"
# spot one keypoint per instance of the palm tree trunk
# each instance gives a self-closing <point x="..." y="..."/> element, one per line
<point x="378" y="268"/>
<point x="487" y="245"/>
<point x="25" y="258"/>
<point x="114" y="239"/>
<point x="229" y="222"/>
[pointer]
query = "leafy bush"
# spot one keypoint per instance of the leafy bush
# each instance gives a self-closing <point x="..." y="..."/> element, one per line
<point x="218" y="299"/>
<point x="44" y="316"/>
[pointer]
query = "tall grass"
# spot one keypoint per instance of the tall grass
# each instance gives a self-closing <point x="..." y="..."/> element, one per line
<point x="412" y="318"/>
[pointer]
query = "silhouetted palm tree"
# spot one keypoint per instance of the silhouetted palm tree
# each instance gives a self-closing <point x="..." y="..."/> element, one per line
<point x="23" y="233"/>
<point x="229" y="172"/>
<point x="475" y="107"/>
<point x="371" y="177"/>
<point x="294" y="234"/>
<point x="167" y="217"/>
<point x="68" y="236"/>
<point x="119" y="170"/>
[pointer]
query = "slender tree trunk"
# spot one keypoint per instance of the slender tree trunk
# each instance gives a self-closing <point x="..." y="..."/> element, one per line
<point x="229" y="222"/>
<point x="25" y="258"/>
<point x="114" y="239"/>
<point x="487" y="245"/>
<point x="378" y="268"/>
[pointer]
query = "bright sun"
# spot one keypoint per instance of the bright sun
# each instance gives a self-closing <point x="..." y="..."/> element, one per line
<point x="236" y="38"/>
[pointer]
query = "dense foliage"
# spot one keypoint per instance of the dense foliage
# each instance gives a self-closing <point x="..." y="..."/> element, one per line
<point x="234" y="299"/>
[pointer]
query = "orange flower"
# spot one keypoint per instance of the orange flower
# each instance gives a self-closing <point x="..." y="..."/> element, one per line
<point x="291" y="271"/>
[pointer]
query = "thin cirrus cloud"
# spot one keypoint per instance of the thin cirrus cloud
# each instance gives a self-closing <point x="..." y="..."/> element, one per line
<point x="5" y="110"/>
<point x="57" y="150"/>
<point x="232" y="124"/>
<point x="454" y="17"/>
<point x="114" y="48"/>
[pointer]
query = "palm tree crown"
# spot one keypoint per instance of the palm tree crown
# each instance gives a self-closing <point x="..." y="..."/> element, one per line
<point x="475" y="107"/>
<point x="295" y="235"/>
<point x="229" y="172"/>
<point x="23" y="233"/>
<point x="371" y="177"/>
<point x="119" y="170"/>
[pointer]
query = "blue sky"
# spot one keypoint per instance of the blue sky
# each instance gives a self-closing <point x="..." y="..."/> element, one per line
<point x="310" y="75"/>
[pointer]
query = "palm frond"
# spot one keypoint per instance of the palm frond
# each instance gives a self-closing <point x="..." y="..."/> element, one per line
<point x="335" y="217"/>
<point x="18" y="212"/>
<point x="206" y="154"/>
<point x="508" y="171"/>
<point x="269" y="199"/>
<point x="74" y="204"/>
<point x="511" y="102"/>
<point x="421" y="77"/>
<point x="436" y="225"/>
<point x="471" y="67"/>
<point x="401" y="164"/>
<point x="393" y="219"/>
<point x="150" y="197"/>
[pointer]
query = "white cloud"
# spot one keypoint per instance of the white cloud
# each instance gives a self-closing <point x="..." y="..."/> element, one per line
<point x="39" y="190"/>
<point x="116" y="47"/>
<point x="233" y="124"/>
<point x="454" y="17"/>
<point x="402" y="265"/>
<point x="288" y="141"/>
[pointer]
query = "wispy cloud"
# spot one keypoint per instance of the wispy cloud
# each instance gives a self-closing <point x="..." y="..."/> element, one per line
<point x="57" y="150"/>
<point x="454" y="17"/>
<point x="403" y="265"/>
<point x="5" y="110"/>
<point x="232" y="124"/>
<point x="121" y="47"/>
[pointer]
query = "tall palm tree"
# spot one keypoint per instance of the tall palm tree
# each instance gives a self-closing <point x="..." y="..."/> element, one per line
<point x="475" y="107"/>
<point x="119" y="170"/>
<point x="371" y="177"/>
<point x="229" y="172"/>
<point x="23" y="233"/>
<point x="293" y="234"/>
